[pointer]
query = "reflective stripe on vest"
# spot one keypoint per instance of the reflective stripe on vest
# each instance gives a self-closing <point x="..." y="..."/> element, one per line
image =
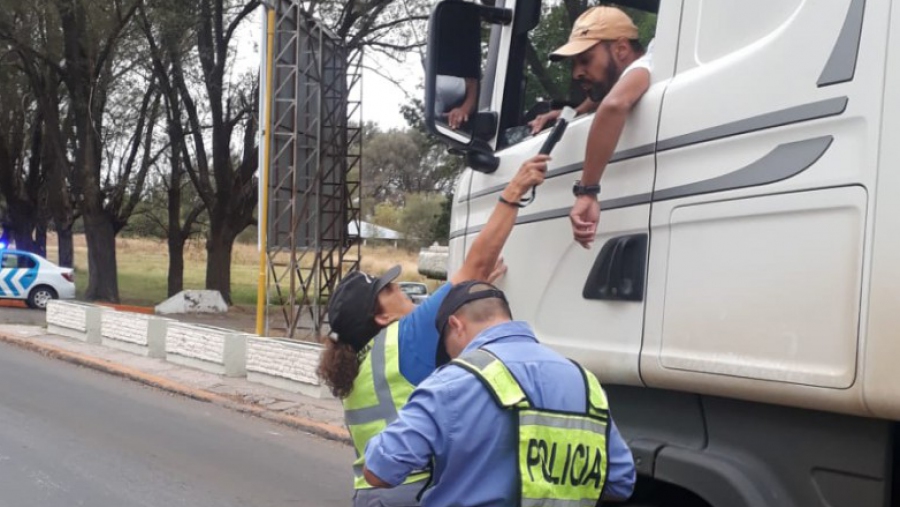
<point x="563" y="456"/>
<point x="379" y="391"/>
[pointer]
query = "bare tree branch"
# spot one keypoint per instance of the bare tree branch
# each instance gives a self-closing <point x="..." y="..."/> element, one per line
<point x="396" y="22"/>
<point x="246" y="11"/>
<point x="113" y="37"/>
<point x="395" y="47"/>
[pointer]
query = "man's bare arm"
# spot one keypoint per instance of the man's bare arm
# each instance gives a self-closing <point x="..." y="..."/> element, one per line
<point x="457" y="116"/>
<point x="538" y="123"/>
<point x="606" y="128"/>
<point x="586" y="106"/>
<point x="609" y="122"/>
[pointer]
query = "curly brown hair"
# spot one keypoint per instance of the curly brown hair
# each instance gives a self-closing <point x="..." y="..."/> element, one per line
<point x="338" y="367"/>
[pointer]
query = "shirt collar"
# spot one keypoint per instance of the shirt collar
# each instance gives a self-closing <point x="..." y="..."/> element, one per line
<point x="514" y="329"/>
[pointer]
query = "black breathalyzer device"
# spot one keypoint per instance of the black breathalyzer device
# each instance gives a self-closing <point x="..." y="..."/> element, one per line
<point x="565" y="116"/>
<point x="558" y="130"/>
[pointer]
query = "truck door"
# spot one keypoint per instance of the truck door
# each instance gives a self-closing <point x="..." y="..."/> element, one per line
<point x="589" y="304"/>
<point x="766" y="154"/>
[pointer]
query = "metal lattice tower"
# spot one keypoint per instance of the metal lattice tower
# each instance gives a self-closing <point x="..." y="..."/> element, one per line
<point x="314" y="175"/>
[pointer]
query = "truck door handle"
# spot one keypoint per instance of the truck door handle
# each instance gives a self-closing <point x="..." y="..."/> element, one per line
<point x="619" y="271"/>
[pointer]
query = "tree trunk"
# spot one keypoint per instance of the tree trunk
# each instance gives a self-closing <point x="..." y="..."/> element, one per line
<point x="176" y="263"/>
<point x="66" y="245"/>
<point x="102" y="273"/>
<point x="22" y="234"/>
<point x="40" y="238"/>
<point x="20" y="219"/>
<point x="218" y="260"/>
<point x="174" y="232"/>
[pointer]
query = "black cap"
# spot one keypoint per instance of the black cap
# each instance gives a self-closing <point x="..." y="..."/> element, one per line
<point x="351" y="311"/>
<point x="458" y="296"/>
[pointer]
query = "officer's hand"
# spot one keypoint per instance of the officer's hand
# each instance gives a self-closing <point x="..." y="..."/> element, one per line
<point x="538" y="123"/>
<point x="456" y="117"/>
<point x="530" y="175"/>
<point x="585" y="216"/>
<point x="498" y="271"/>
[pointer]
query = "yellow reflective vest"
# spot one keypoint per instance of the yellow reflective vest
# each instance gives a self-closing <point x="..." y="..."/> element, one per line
<point x="379" y="391"/>
<point x="562" y="456"/>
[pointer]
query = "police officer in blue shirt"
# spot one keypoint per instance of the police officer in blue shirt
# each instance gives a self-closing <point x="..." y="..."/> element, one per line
<point x="383" y="345"/>
<point x="455" y="421"/>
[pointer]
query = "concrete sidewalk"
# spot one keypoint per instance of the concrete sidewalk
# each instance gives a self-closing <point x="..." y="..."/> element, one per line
<point x="320" y="417"/>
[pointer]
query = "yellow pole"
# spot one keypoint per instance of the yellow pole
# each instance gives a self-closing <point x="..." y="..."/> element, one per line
<point x="263" y="220"/>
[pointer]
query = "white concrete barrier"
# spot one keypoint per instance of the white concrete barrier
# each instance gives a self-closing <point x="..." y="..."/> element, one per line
<point x="193" y="301"/>
<point x="75" y="320"/>
<point x="134" y="332"/>
<point x="212" y="349"/>
<point x="285" y="364"/>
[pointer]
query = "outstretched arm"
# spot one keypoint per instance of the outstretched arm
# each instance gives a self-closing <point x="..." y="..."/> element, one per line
<point x="609" y="122"/>
<point x="481" y="259"/>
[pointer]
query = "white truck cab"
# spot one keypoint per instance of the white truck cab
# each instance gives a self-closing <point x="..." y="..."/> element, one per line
<point x="741" y="302"/>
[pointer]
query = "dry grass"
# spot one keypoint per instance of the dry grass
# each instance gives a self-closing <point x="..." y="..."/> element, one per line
<point x="143" y="267"/>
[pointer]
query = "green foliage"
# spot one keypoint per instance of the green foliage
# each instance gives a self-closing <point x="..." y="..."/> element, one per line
<point x="551" y="32"/>
<point x="150" y="217"/>
<point x="441" y="231"/>
<point x="387" y="215"/>
<point x="397" y="163"/>
<point x="420" y="217"/>
<point x="646" y="23"/>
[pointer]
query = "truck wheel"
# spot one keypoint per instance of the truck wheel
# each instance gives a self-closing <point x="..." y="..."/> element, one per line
<point x="40" y="296"/>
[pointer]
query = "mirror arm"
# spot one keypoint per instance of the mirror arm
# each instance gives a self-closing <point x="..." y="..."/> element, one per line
<point x="496" y="15"/>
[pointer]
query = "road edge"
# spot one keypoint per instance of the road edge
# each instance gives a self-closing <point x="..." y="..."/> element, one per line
<point x="317" y="428"/>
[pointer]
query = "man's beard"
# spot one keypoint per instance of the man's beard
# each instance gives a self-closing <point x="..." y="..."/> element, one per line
<point x="599" y="91"/>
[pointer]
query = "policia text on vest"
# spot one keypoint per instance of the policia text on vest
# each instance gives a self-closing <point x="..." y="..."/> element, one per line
<point x="564" y="464"/>
<point x="563" y="456"/>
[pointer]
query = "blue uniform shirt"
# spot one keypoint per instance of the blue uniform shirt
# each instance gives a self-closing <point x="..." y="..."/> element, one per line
<point x="418" y="338"/>
<point x="453" y="419"/>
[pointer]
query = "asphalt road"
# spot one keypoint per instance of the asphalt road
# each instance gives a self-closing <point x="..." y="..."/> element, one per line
<point x="70" y="436"/>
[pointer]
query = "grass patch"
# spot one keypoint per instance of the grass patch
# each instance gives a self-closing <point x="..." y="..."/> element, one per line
<point x="143" y="268"/>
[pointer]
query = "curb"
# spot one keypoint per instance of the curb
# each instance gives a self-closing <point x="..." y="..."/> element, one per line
<point x="317" y="428"/>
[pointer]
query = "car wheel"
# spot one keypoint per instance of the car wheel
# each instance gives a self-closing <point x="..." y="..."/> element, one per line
<point x="40" y="296"/>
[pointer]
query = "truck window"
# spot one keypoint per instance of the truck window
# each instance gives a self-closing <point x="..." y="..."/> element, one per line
<point x="549" y="85"/>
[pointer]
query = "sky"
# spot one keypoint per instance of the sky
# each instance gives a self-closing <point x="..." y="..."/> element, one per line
<point x="381" y="98"/>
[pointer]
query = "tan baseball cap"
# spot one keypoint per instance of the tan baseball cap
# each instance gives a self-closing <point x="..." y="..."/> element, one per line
<point x="594" y="25"/>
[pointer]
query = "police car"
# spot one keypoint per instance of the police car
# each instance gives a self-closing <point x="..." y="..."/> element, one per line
<point x="24" y="275"/>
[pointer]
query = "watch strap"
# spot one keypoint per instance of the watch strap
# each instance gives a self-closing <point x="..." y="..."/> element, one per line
<point x="578" y="189"/>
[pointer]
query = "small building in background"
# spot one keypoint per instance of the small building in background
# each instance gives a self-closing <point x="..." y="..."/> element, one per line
<point x="366" y="232"/>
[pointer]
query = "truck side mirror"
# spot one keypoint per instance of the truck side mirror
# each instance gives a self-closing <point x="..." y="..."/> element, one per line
<point x="453" y="69"/>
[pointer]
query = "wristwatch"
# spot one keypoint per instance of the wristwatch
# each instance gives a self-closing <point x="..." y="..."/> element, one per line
<point x="578" y="189"/>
